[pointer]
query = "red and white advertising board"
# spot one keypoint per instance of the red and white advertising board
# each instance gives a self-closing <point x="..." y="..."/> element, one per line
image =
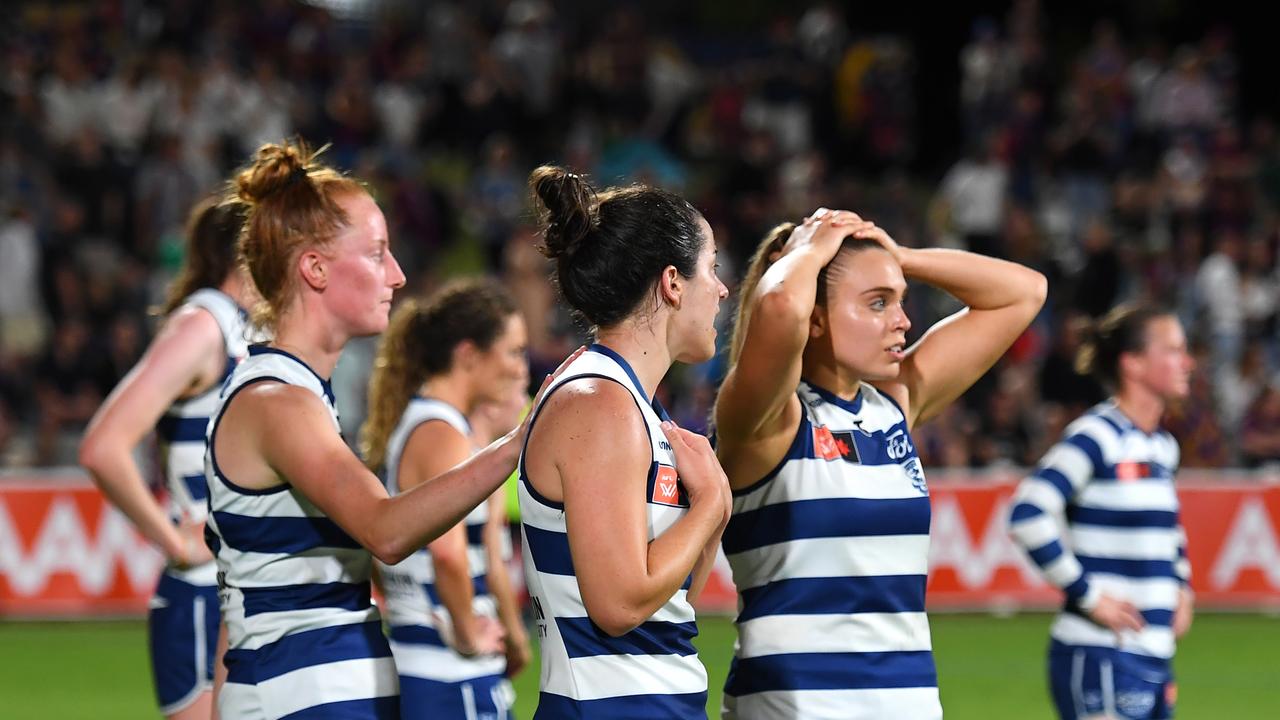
<point x="65" y="552"/>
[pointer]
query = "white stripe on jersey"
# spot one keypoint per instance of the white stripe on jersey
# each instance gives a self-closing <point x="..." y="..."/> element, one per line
<point x="814" y="558"/>
<point x="875" y="704"/>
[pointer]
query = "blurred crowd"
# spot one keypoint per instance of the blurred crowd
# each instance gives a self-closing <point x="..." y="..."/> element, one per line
<point x="1122" y="170"/>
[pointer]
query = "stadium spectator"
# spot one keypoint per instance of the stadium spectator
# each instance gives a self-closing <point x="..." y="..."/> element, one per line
<point x="132" y="113"/>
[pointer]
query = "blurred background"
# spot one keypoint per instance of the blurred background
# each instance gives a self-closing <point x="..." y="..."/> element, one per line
<point x="1126" y="149"/>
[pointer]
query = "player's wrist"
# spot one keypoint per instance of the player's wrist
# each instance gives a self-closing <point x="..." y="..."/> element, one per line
<point x="1088" y="602"/>
<point x="465" y="641"/>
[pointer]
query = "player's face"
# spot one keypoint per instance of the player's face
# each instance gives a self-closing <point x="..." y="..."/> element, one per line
<point x="505" y="364"/>
<point x="696" y="319"/>
<point x="865" y="317"/>
<point x="1164" y="364"/>
<point x="362" y="274"/>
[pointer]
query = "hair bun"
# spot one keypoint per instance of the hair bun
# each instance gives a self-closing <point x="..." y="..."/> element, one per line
<point x="275" y="167"/>
<point x="570" y="209"/>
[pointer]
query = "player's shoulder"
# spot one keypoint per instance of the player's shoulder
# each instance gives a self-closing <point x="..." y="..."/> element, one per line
<point x="1094" y="425"/>
<point x="589" y="396"/>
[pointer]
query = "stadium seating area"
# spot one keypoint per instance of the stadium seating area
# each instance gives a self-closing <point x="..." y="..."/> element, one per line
<point x="1122" y="169"/>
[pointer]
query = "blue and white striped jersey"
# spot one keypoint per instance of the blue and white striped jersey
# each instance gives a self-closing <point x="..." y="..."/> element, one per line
<point x="1100" y="515"/>
<point x="829" y="553"/>
<point x="180" y="431"/>
<point x="294" y="587"/>
<point x="413" y="608"/>
<point x="652" y="671"/>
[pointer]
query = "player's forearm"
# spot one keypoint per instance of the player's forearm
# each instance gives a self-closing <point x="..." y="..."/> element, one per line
<point x="1039" y="532"/>
<point x="676" y="554"/>
<point x="416" y="517"/>
<point x="978" y="281"/>
<point x="702" y="570"/>
<point x="116" y="475"/>
<point x="453" y="586"/>
<point x="504" y="594"/>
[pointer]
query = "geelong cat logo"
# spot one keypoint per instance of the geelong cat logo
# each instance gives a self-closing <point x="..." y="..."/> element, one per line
<point x="900" y="444"/>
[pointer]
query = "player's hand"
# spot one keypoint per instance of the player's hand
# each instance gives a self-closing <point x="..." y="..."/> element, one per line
<point x="878" y="235"/>
<point x="518" y="652"/>
<point x="1184" y="613"/>
<point x="193" y="550"/>
<point x="822" y="232"/>
<point x="1117" y="615"/>
<point x="700" y="471"/>
<point x="486" y="638"/>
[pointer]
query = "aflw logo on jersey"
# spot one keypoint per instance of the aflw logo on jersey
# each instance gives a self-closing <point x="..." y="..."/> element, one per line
<point x="666" y="486"/>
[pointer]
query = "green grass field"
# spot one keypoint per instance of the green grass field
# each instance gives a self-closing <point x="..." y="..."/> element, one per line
<point x="989" y="668"/>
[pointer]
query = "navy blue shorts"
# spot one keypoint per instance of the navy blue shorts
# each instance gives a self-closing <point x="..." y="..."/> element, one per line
<point x="1086" y="680"/>
<point x="485" y="698"/>
<point x="182" y="630"/>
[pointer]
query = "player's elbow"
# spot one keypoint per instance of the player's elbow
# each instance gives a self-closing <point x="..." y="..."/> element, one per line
<point x="1037" y="291"/>
<point x="780" y="303"/>
<point x="94" y="454"/>
<point x="614" y="614"/>
<point x="616" y="622"/>
<point x="388" y="550"/>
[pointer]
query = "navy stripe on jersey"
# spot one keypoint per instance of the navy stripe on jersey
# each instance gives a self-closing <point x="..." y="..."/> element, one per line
<point x="831" y="671"/>
<point x="829" y="517"/>
<point x="549" y="550"/>
<point x="417" y="634"/>
<point x="1127" y="568"/>
<point x="583" y="638"/>
<point x="821" y="596"/>
<point x="282" y="534"/>
<point x="347" y="596"/>
<point x="305" y="649"/>
<point x="197" y="486"/>
<point x="626" y="707"/>
<point x="174" y="429"/>
<point x="479" y="588"/>
<point x="1119" y="518"/>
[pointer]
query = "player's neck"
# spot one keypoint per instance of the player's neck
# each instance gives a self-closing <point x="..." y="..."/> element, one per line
<point x="309" y="340"/>
<point x="451" y="389"/>
<point x="649" y="359"/>
<point x="1142" y="406"/>
<point x="824" y="372"/>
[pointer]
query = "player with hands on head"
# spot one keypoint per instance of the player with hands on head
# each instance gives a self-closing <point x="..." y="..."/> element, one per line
<point x="829" y="539"/>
